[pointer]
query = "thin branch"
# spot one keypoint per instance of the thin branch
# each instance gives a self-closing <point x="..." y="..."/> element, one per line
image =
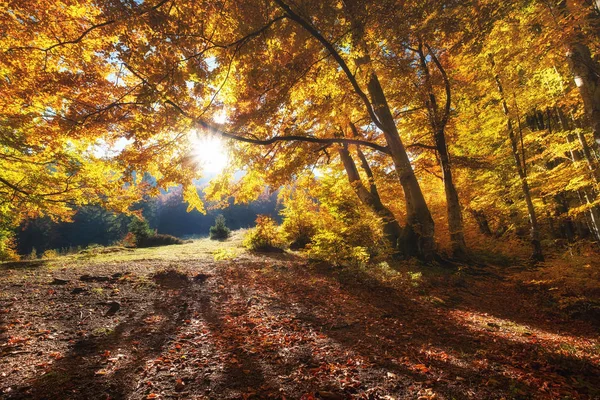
<point x="288" y="138"/>
<point x="336" y="55"/>
<point x="438" y="64"/>
<point x="422" y="146"/>
<point x="408" y="111"/>
<point x="86" y="32"/>
<point x="14" y="187"/>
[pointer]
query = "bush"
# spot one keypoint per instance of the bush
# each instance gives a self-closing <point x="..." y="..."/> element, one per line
<point x="145" y="237"/>
<point x="300" y="217"/>
<point x="329" y="220"/>
<point x="128" y="240"/>
<point x="33" y="255"/>
<point x="159" y="240"/>
<point x="141" y="230"/>
<point x="333" y="248"/>
<point x="264" y="237"/>
<point x="48" y="254"/>
<point x="220" y="231"/>
<point x="8" y="247"/>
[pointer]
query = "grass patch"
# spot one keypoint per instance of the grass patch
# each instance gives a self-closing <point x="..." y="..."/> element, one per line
<point x="224" y="254"/>
<point x="97" y="290"/>
<point x="102" y="331"/>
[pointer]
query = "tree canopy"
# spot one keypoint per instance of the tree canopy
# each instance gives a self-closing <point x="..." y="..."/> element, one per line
<point x="446" y="117"/>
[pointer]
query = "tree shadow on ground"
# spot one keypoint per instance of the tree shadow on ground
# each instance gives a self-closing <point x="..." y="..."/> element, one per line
<point x="24" y="264"/>
<point x="492" y="290"/>
<point x="86" y="372"/>
<point x="408" y="334"/>
<point x="267" y="330"/>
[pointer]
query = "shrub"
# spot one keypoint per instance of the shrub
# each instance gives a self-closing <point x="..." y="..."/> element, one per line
<point x="330" y="220"/>
<point x="145" y="237"/>
<point x="300" y="216"/>
<point x="158" y="240"/>
<point x="264" y="237"/>
<point x="219" y="231"/>
<point x="8" y="246"/>
<point x="141" y="230"/>
<point x="33" y="255"/>
<point x="50" y="254"/>
<point x="128" y="240"/>
<point x="332" y="248"/>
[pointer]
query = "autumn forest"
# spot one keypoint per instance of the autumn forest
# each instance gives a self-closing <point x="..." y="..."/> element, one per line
<point x="403" y="199"/>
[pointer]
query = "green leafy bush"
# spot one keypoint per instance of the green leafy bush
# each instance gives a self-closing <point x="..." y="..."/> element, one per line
<point x="141" y="230"/>
<point x="264" y="237"/>
<point x="8" y="246"/>
<point x="146" y="237"/>
<point x="159" y="240"/>
<point x="300" y="216"/>
<point x="331" y="221"/>
<point x="219" y="231"/>
<point x="333" y="248"/>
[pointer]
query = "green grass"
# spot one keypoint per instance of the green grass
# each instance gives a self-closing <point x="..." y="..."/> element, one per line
<point x="102" y="331"/>
<point x="205" y="249"/>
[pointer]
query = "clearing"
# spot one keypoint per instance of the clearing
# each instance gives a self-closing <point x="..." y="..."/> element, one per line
<point x="209" y="320"/>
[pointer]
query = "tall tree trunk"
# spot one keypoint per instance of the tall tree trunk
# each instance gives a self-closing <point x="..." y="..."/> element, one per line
<point x="589" y="158"/>
<point x="587" y="195"/>
<point x="367" y="168"/>
<point x="438" y="119"/>
<point x="455" y="219"/>
<point x="537" y="254"/>
<point x="586" y="73"/>
<point x="370" y="198"/>
<point x="420" y="226"/>
<point x="363" y="161"/>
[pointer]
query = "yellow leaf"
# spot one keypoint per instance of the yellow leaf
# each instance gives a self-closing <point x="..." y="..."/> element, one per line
<point x="190" y="196"/>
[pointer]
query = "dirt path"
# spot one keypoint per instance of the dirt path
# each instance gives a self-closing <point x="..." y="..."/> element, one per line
<point x="260" y="327"/>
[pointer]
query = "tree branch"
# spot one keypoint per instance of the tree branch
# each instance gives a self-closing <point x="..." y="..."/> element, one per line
<point x="288" y="138"/>
<point x="438" y="64"/>
<point x="408" y="111"/>
<point x="422" y="146"/>
<point x="14" y="187"/>
<point x="86" y="32"/>
<point x="336" y="55"/>
<point x="274" y="139"/>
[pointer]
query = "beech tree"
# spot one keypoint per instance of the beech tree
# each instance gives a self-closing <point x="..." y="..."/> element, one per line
<point x="95" y="94"/>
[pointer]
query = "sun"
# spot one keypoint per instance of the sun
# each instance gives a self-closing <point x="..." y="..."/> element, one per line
<point x="209" y="152"/>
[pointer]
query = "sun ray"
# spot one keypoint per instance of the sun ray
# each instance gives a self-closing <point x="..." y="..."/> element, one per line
<point x="209" y="152"/>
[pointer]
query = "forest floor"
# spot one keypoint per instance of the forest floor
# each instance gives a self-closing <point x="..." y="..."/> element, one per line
<point x="209" y="320"/>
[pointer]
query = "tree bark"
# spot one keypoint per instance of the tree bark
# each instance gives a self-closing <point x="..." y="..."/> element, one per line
<point x="391" y="228"/>
<point x="586" y="73"/>
<point x="438" y="119"/>
<point x="367" y="168"/>
<point x="587" y="195"/>
<point x="420" y="226"/>
<point x="537" y="254"/>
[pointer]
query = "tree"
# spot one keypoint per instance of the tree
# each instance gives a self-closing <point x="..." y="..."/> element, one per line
<point x="438" y="119"/>
<point x="99" y="93"/>
<point x="219" y="231"/>
<point x="141" y="230"/>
